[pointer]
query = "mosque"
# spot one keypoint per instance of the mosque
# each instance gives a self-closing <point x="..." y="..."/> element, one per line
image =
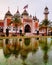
<point x="30" y="24"/>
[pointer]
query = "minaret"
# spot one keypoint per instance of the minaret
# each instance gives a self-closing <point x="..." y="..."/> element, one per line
<point x="46" y="12"/>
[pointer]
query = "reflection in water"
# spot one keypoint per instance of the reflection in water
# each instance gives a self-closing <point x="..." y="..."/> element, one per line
<point x="7" y="41"/>
<point x="22" y="49"/>
<point x="12" y="48"/>
<point x="27" y="41"/>
<point x="24" y="54"/>
<point x="45" y="49"/>
<point x="35" y="45"/>
<point x="45" y="57"/>
<point x="6" y="51"/>
<point x="16" y="48"/>
<point x="1" y="43"/>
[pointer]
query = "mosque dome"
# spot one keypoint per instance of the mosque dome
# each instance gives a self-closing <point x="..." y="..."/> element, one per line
<point x="46" y="7"/>
<point x="25" y="13"/>
<point x="17" y="14"/>
<point x="8" y="13"/>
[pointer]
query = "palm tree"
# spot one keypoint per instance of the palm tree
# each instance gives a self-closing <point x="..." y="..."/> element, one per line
<point x="17" y="22"/>
<point x="45" y="24"/>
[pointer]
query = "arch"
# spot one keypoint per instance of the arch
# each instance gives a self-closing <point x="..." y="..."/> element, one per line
<point x="27" y="29"/>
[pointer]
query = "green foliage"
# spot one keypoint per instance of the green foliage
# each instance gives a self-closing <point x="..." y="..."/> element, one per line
<point x="45" y="22"/>
<point x="7" y="55"/>
<point x="17" y="21"/>
<point x="34" y="50"/>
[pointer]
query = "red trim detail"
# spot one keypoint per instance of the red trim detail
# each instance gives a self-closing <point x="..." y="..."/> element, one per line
<point x="1" y="24"/>
<point x="8" y="21"/>
<point x="27" y="20"/>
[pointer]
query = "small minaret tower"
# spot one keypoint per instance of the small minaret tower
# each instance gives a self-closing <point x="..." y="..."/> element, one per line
<point x="46" y="12"/>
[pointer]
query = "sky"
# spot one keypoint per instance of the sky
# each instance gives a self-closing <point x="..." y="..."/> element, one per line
<point x="35" y="7"/>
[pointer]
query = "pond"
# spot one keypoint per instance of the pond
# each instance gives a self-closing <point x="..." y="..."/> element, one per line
<point x="26" y="51"/>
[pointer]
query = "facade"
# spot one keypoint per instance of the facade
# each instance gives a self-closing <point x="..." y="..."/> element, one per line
<point x="29" y="24"/>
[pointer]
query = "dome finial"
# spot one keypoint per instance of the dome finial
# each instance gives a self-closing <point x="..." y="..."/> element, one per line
<point x="17" y="14"/>
<point x="17" y="9"/>
<point x="35" y="13"/>
<point x="8" y="8"/>
<point x="8" y="13"/>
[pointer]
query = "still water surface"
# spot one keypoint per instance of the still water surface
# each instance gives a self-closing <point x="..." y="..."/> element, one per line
<point x="28" y="51"/>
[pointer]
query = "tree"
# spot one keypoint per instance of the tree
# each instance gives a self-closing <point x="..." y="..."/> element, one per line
<point x="45" y="24"/>
<point x="17" y="22"/>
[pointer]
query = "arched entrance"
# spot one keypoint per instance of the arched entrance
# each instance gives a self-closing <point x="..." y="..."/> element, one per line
<point x="27" y="29"/>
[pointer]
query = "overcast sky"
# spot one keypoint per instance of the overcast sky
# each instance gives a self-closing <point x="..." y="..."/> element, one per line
<point x="34" y="6"/>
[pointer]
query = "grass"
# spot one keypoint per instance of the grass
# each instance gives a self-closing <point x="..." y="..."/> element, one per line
<point x="35" y="36"/>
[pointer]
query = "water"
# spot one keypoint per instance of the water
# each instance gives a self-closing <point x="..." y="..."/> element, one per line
<point x="28" y="51"/>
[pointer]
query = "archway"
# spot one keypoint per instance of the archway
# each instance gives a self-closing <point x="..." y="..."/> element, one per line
<point x="27" y="29"/>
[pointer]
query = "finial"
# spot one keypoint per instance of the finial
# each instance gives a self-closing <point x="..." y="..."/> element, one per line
<point x="35" y="13"/>
<point x="17" y="7"/>
<point x="8" y="8"/>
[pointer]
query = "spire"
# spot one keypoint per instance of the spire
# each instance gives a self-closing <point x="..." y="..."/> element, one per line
<point x="8" y="8"/>
<point x="34" y="17"/>
<point x="17" y="9"/>
<point x="17" y="14"/>
<point x="30" y="15"/>
<point x="8" y="13"/>
<point x="35" y="13"/>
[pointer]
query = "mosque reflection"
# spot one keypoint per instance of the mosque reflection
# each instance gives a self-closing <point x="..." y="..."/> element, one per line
<point x="45" y="46"/>
<point x="22" y="47"/>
